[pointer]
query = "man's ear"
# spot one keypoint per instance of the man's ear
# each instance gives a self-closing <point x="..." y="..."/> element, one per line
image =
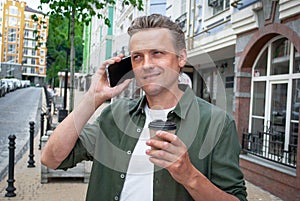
<point x="182" y="58"/>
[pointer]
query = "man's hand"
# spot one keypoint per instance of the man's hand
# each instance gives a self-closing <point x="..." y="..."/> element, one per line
<point x="171" y="154"/>
<point x="100" y="89"/>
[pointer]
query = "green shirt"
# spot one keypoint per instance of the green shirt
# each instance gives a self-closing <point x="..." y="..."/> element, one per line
<point x="208" y="132"/>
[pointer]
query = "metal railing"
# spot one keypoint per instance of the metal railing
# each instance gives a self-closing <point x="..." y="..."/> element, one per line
<point x="270" y="146"/>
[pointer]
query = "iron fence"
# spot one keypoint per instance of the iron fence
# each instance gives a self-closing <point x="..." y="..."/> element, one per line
<point x="270" y="146"/>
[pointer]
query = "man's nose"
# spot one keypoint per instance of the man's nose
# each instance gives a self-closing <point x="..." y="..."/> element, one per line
<point x="148" y="62"/>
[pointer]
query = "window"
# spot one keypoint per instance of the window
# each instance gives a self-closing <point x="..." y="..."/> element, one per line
<point x="258" y="107"/>
<point x="33" y="61"/>
<point x="25" y="51"/>
<point x="11" y="35"/>
<point x="34" y="34"/>
<point x="26" y="43"/>
<point x="32" y="70"/>
<point x="35" y="26"/>
<point x="218" y="5"/>
<point x="27" y="16"/>
<point x="13" y="10"/>
<point x="43" y="35"/>
<point x="280" y="57"/>
<point x="261" y="66"/>
<point x="11" y="48"/>
<point x="296" y="65"/>
<point x="295" y="106"/>
<point x="229" y="82"/>
<point x="13" y="21"/>
<point x="32" y="44"/>
<point x="275" y="103"/>
<point x="11" y="59"/>
<point x="41" y="70"/>
<point x="26" y="34"/>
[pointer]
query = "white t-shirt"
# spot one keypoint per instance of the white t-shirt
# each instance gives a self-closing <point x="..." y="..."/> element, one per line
<point x="139" y="179"/>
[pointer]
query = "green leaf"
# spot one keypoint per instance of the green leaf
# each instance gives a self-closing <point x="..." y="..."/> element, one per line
<point x="107" y="22"/>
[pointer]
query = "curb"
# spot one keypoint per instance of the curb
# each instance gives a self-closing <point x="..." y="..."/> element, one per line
<point x="22" y="151"/>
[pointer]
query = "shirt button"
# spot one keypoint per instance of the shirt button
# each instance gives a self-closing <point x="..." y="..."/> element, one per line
<point x="122" y="176"/>
<point x="138" y="130"/>
<point x="129" y="152"/>
<point x="116" y="197"/>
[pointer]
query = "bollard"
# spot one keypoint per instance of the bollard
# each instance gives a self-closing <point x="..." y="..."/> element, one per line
<point x="11" y="163"/>
<point x="31" y="155"/>
<point x="42" y="129"/>
<point x="48" y="114"/>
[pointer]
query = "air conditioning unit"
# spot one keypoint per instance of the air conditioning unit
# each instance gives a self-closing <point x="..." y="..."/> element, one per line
<point x="214" y="3"/>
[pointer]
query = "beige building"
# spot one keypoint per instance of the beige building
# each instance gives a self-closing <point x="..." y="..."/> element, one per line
<point x="23" y="46"/>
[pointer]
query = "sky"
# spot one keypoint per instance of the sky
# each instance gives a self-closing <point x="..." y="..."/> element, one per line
<point x="35" y="3"/>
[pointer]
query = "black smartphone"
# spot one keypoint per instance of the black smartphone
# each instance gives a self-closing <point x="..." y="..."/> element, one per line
<point x="119" y="71"/>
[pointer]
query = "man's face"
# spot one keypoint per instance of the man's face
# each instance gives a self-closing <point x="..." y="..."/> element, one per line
<point x="155" y="62"/>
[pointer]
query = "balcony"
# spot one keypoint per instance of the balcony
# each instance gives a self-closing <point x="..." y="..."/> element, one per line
<point x="270" y="146"/>
<point x="182" y="22"/>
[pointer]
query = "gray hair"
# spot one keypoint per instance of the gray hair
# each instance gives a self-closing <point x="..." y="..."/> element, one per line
<point x="159" y="21"/>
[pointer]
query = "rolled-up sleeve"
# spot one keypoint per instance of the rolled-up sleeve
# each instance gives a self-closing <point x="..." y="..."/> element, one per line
<point x="84" y="147"/>
<point x="226" y="173"/>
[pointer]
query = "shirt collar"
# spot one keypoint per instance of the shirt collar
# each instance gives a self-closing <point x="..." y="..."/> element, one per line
<point x="185" y="103"/>
<point x="180" y="110"/>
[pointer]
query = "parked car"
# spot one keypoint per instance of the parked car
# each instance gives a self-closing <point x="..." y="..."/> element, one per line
<point x="3" y="88"/>
<point x="10" y="84"/>
<point x="25" y="83"/>
<point x="16" y="82"/>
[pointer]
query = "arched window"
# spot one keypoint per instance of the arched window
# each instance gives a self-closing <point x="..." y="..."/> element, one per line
<point x="275" y="101"/>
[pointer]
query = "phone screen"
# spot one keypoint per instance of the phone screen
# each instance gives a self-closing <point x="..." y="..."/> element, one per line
<point x="119" y="71"/>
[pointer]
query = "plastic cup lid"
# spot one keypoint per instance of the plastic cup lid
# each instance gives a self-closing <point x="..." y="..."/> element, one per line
<point x="162" y="125"/>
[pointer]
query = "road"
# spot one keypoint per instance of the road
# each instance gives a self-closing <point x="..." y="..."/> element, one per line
<point x="17" y="109"/>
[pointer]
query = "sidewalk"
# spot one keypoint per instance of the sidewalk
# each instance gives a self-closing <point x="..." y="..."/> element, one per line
<point x="29" y="188"/>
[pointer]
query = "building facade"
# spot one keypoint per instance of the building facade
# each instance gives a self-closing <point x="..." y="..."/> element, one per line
<point x="243" y="56"/>
<point x="97" y="47"/>
<point x="267" y="95"/>
<point x="23" y="45"/>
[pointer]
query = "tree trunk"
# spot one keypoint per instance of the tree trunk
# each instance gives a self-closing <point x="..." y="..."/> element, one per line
<point x="72" y="62"/>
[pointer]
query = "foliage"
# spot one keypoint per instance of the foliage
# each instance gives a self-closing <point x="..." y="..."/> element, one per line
<point x="58" y="45"/>
<point x="85" y="9"/>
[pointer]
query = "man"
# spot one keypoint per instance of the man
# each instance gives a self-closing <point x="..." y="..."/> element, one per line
<point x="199" y="162"/>
<point x="51" y="91"/>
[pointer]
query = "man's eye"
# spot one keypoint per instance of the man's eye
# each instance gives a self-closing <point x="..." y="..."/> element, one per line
<point x="157" y="52"/>
<point x="136" y="57"/>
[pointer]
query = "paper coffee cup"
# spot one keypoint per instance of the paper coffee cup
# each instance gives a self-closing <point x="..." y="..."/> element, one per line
<point x="160" y="125"/>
